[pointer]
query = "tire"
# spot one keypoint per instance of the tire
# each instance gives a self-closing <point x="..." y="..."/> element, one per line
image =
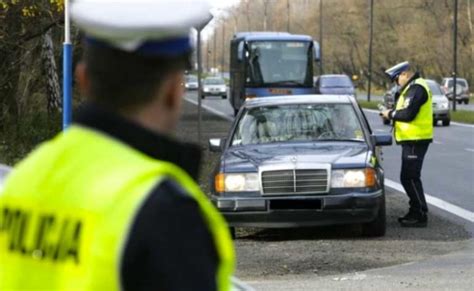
<point x="203" y="96"/>
<point x="446" y="122"/>
<point x="377" y="227"/>
<point x="435" y="122"/>
<point x="466" y="101"/>
<point x="224" y="96"/>
<point x="232" y="232"/>
<point x="386" y="121"/>
<point x="459" y="101"/>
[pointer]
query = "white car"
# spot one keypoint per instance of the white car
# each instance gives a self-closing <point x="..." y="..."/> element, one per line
<point x="191" y="82"/>
<point x="214" y="86"/>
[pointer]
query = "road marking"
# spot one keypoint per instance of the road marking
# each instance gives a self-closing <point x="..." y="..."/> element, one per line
<point x="441" y="204"/>
<point x="437" y="142"/>
<point x="452" y="123"/>
<point x="470" y="150"/>
<point x="210" y="109"/>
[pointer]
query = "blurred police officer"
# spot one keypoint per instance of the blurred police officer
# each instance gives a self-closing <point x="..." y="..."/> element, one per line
<point x="413" y="123"/>
<point x="112" y="203"/>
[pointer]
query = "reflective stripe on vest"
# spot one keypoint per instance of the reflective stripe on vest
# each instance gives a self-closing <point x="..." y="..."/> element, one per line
<point x="421" y="128"/>
<point x="66" y="211"/>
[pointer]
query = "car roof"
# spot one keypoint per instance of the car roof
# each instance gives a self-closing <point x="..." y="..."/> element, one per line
<point x="297" y="99"/>
<point x="269" y="36"/>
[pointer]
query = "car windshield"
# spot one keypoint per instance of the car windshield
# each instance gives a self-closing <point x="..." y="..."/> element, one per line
<point x="435" y="88"/>
<point x="335" y="82"/>
<point x="280" y="63"/>
<point x="214" y="81"/>
<point x="191" y="79"/>
<point x="293" y="123"/>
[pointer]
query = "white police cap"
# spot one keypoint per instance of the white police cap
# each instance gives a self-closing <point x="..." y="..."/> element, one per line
<point x="396" y="70"/>
<point x="155" y="27"/>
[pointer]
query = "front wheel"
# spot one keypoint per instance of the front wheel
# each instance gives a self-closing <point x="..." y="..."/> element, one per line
<point x="377" y="227"/>
<point x="224" y="96"/>
<point x="446" y="122"/>
<point x="466" y="101"/>
<point x="232" y="232"/>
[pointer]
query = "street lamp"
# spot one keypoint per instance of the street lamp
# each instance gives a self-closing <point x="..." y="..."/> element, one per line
<point x="371" y="34"/>
<point x="455" y="52"/>
<point x="320" y="37"/>
<point x="199" y="29"/>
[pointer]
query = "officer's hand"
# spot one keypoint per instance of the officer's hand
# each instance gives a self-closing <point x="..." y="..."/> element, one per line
<point x="386" y="114"/>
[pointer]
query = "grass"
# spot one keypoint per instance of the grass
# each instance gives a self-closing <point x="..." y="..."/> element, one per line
<point x="463" y="116"/>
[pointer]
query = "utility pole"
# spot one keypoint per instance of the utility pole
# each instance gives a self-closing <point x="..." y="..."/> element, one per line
<point x="321" y="37"/>
<point x="288" y="15"/>
<point x="371" y="35"/>
<point x="265" y="17"/>
<point x="455" y="53"/>
<point x="223" y="49"/>
<point x="215" y="47"/>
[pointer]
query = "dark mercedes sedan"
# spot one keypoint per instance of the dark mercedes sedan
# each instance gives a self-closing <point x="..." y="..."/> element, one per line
<point x="297" y="161"/>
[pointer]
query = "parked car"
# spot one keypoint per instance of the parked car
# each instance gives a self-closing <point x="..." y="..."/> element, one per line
<point x="334" y="85"/>
<point x="214" y="86"/>
<point x="439" y="100"/>
<point x="301" y="161"/>
<point x="462" y="89"/>
<point x="440" y="104"/>
<point x="191" y="82"/>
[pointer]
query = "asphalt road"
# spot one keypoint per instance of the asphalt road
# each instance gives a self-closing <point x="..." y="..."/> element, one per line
<point x="448" y="172"/>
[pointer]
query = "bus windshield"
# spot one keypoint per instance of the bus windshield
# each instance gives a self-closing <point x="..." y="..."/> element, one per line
<point x="279" y="63"/>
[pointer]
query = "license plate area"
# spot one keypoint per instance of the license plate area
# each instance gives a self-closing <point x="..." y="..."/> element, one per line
<point x="296" y="204"/>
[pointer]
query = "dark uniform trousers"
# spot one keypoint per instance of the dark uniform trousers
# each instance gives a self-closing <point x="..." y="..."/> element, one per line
<point x="412" y="162"/>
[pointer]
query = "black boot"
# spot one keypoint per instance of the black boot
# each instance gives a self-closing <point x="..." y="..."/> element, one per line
<point x="414" y="220"/>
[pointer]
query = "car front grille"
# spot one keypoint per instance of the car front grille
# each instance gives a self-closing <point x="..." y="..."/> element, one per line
<point x="284" y="182"/>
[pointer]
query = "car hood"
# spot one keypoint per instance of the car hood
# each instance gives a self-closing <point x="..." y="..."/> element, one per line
<point x="440" y="98"/>
<point x="339" y="155"/>
<point x="337" y="90"/>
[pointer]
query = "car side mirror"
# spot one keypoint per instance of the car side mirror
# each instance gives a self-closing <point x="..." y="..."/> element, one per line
<point x="316" y="51"/>
<point x="382" y="139"/>
<point x="216" y="144"/>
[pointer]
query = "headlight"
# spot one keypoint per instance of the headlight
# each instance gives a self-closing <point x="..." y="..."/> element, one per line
<point x="444" y="105"/>
<point x="245" y="182"/>
<point x="353" y="178"/>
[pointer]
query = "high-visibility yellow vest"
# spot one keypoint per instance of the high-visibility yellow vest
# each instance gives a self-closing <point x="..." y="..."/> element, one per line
<point x="421" y="128"/>
<point x="66" y="212"/>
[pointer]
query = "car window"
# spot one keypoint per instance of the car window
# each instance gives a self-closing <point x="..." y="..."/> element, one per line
<point x="293" y="123"/>
<point x="214" y="81"/>
<point x="336" y="81"/>
<point x="462" y="83"/>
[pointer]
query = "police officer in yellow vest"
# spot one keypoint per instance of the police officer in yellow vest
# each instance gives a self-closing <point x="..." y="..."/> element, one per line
<point x="112" y="203"/>
<point x="413" y="123"/>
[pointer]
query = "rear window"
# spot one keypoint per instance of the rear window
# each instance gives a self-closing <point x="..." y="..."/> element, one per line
<point x="462" y="83"/>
